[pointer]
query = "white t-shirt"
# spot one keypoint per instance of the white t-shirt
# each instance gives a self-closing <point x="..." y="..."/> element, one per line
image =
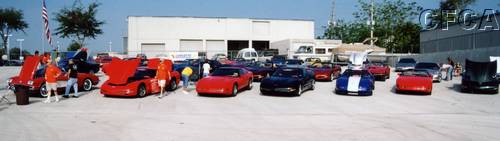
<point x="206" y="68"/>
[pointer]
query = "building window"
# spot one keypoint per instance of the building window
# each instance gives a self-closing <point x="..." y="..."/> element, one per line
<point x="320" y="51"/>
<point x="330" y="50"/>
<point x="305" y="50"/>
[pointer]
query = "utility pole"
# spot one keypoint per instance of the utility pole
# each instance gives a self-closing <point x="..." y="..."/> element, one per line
<point x="372" y="22"/>
<point x="21" y="57"/>
<point x="8" y="45"/>
<point x="332" y="23"/>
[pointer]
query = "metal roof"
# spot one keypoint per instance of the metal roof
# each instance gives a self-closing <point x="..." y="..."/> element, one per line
<point x="200" y="17"/>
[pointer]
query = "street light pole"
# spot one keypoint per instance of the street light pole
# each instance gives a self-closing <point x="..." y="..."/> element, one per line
<point x="110" y="43"/>
<point x="21" y="57"/>
<point x="372" y="22"/>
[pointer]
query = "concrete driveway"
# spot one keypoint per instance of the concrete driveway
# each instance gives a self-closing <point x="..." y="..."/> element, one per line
<point x="446" y="115"/>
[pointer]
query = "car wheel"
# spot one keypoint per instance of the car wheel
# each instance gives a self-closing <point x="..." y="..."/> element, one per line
<point x="141" y="91"/>
<point x="87" y="84"/>
<point x="43" y="90"/>
<point x="235" y="90"/>
<point x="250" y="84"/>
<point x="312" y="84"/>
<point x="173" y="84"/>
<point x="299" y="90"/>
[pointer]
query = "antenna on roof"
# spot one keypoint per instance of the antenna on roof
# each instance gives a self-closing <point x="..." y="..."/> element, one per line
<point x="332" y="22"/>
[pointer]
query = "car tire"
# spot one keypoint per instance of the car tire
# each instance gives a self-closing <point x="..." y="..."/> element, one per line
<point x="299" y="90"/>
<point x="173" y="84"/>
<point x="87" y="84"/>
<point x="141" y="90"/>
<point x="250" y="84"/>
<point x="43" y="90"/>
<point x="234" y="91"/>
<point x="312" y="84"/>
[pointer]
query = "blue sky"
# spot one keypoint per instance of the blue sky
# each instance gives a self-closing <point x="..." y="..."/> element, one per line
<point x="115" y="12"/>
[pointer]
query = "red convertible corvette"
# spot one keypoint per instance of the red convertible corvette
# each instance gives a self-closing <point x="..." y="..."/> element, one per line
<point x="128" y="78"/>
<point x="33" y="75"/>
<point x="379" y="71"/>
<point x="225" y="81"/>
<point x="414" y="81"/>
<point x="326" y="71"/>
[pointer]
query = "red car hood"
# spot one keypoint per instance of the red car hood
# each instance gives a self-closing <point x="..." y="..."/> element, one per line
<point x="215" y="81"/>
<point x="376" y="69"/>
<point x="28" y="70"/>
<point x="120" y="70"/>
<point x="414" y="81"/>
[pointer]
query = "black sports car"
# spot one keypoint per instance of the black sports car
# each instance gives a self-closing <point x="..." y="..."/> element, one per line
<point x="480" y="77"/>
<point x="288" y="80"/>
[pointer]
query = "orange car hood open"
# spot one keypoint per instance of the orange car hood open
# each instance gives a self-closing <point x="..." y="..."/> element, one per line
<point x="120" y="70"/>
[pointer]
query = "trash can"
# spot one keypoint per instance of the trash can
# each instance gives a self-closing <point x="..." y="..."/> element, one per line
<point x="22" y="97"/>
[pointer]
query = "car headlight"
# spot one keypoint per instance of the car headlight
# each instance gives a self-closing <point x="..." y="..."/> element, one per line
<point x="30" y="82"/>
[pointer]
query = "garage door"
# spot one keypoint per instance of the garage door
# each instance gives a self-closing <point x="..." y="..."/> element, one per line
<point x="191" y="45"/>
<point x="153" y="49"/>
<point x="215" y="47"/>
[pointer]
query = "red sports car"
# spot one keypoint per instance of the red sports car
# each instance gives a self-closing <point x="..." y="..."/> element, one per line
<point x="225" y="81"/>
<point x="33" y="75"/>
<point x="379" y="71"/>
<point x="414" y="81"/>
<point x="130" y="78"/>
<point x="326" y="71"/>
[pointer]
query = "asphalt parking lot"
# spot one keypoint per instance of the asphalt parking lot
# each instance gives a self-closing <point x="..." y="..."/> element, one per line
<point x="446" y="115"/>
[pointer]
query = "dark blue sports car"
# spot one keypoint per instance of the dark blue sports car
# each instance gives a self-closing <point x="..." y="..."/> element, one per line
<point x="260" y="70"/>
<point x="288" y="80"/>
<point x="355" y="82"/>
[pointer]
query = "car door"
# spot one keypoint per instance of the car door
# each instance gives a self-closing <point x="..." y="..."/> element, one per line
<point x="243" y="78"/>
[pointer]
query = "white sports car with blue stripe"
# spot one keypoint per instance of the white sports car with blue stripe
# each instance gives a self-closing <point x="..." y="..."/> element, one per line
<point x="355" y="82"/>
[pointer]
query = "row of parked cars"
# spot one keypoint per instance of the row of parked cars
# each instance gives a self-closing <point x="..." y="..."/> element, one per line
<point x="136" y="76"/>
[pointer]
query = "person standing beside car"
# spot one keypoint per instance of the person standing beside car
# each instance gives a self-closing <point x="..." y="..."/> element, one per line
<point x="51" y="74"/>
<point x="73" y="79"/>
<point x="206" y="68"/>
<point x="186" y="73"/>
<point x="162" y="74"/>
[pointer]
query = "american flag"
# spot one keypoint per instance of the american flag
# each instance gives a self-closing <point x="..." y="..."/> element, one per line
<point x="45" y="17"/>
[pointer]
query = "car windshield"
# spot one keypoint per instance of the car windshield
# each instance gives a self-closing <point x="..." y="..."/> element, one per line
<point x="363" y="73"/>
<point x="407" y="60"/>
<point x="432" y="66"/>
<point x="293" y="62"/>
<point x="226" y="72"/>
<point x="288" y="72"/>
<point x="415" y="73"/>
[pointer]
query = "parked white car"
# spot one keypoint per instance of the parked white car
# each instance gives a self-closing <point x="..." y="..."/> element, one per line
<point x="248" y="54"/>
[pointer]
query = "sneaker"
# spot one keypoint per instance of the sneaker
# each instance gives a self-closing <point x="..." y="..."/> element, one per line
<point x="185" y="92"/>
<point x="65" y="96"/>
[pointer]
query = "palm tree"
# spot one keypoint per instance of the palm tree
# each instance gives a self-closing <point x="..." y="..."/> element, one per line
<point x="10" y="20"/>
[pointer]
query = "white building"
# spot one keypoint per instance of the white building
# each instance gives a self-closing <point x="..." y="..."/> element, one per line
<point x="184" y="35"/>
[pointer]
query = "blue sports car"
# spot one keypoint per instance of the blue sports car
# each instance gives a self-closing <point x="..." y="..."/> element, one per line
<point x="355" y="82"/>
<point x="288" y="80"/>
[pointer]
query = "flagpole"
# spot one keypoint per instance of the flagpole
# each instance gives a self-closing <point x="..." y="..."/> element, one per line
<point x="43" y="35"/>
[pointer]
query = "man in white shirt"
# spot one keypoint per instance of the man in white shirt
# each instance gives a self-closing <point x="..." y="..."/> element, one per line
<point x="206" y="69"/>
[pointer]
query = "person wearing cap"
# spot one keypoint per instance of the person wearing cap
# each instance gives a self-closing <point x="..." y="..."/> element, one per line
<point x="51" y="74"/>
<point x="162" y="74"/>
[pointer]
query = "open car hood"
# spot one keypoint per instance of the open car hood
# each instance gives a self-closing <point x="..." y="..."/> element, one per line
<point x="28" y="70"/>
<point x="480" y="71"/>
<point x="120" y="70"/>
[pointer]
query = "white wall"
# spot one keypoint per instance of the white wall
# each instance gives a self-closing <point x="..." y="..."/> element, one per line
<point x="170" y="30"/>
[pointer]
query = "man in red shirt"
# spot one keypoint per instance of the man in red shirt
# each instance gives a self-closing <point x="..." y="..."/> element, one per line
<point x="51" y="74"/>
<point x="162" y="74"/>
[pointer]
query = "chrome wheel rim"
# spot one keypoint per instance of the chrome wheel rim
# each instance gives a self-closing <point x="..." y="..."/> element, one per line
<point x="43" y="90"/>
<point x="87" y="85"/>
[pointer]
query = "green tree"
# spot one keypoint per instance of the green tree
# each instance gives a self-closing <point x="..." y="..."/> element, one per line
<point x="79" y="23"/>
<point x="74" y="46"/>
<point x="11" y="20"/>
<point x="394" y="26"/>
<point x="14" y="53"/>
